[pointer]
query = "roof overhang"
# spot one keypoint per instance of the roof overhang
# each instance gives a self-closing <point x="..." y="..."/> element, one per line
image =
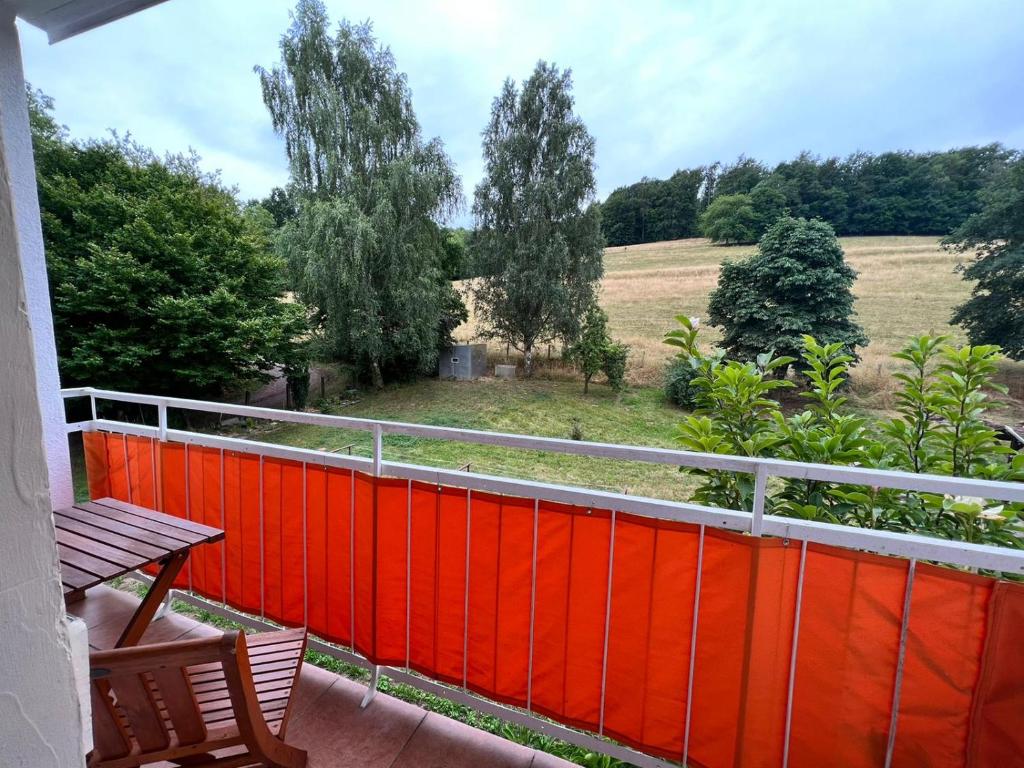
<point x="61" y="19"/>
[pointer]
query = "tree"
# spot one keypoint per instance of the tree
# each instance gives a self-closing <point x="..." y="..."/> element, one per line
<point x="994" y="314"/>
<point x="741" y="177"/>
<point x="366" y="248"/>
<point x="456" y="261"/>
<point x="769" y="204"/>
<point x="730" y="219"/>
<point x="653" y="210"/>
<point x="161" y="282"/>
<point x="281" y="204"/>
<point x="538" y="246"/>
<point x="797" y="283"/>
<point x="595" y="351"/>
<point x="914" y="193"/>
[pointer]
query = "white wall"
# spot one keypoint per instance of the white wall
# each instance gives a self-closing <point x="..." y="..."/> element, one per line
<point x="14" y="132"/>
<point x="39" y="708"/>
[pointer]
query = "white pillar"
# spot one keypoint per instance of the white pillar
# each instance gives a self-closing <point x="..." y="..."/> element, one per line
<point x="40" y="716"/>
<point x="21" y="179"/>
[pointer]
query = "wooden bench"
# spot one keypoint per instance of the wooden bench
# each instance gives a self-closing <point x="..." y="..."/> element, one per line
<point x="182" y="701"/>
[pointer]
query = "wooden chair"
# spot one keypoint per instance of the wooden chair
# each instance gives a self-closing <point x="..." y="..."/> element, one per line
<point x="182" y="701"/>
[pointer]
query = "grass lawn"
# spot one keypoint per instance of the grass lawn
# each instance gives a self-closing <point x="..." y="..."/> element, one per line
<point x="540" y="407"/>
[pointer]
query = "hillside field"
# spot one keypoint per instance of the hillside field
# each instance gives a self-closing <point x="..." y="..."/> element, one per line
<point x="905" y="286"/>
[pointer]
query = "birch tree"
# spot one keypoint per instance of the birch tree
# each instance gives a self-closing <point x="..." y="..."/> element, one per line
<point x="538" y="245"/>
<point x="365" y="248"/>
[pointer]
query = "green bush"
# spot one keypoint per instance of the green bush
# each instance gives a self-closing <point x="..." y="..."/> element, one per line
<point x="613" y="365"/>
<point x="940" y="428"/>
<point x="679" y="389"/>
<point x="681" y="372"/>
<point x="595" y="351"/>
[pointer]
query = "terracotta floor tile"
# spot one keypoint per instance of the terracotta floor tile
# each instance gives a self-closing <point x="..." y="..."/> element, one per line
<point x="170" y="627"/>
<point x="313" y="683"/>
<point x="440" y="742"/>
<point x="104" y="604"/>
<point x="544" y="760"/>
<point x="336" y="732"/>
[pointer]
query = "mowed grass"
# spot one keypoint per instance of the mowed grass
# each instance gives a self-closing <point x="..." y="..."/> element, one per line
<point x="542" y="407"/>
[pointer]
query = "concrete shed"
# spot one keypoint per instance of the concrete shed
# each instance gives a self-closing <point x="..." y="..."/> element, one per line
<point x="464" y="362"/>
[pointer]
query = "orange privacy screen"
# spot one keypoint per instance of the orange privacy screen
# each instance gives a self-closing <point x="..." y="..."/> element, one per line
<point x="524" y="602"/>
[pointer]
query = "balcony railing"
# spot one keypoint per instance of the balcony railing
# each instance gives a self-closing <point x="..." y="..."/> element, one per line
<point x="647" y="629"/>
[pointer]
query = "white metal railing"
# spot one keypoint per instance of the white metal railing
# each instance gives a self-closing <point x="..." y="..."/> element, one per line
<point x="913" y="547"/>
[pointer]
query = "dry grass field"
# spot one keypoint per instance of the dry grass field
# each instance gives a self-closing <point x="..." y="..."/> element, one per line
<point x="905" y="286"/>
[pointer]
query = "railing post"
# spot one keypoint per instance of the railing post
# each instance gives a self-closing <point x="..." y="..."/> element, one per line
<point x="92" y="406"/>
<point x="378" y="448"/>
<point x="161" y="421"/>
<point x="760" y="490"/>
<point x="371" y="691"/>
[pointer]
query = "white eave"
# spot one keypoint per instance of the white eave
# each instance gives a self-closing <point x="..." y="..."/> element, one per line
<point x="61" y="19"/>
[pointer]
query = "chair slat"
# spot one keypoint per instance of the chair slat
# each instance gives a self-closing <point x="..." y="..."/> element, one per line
<point x="109" y="738"/>
<point x="180" y="702"/>
<point x="134" y="699"/>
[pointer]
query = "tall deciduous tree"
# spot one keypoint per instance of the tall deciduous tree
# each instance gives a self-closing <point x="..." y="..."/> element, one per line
<point x="366" y="246"/>
<point x="538" y="246"/>
<point x="161" y="283"/>
<point x="995" y="312"/>
<point x="730" y="219"/>
<point x="797" y="283"/>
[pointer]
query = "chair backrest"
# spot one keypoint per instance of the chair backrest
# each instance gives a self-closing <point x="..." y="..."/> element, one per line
<point x="143" y="693"/>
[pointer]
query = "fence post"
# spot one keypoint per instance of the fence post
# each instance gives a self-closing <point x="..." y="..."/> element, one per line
<point x="161" y="421"/>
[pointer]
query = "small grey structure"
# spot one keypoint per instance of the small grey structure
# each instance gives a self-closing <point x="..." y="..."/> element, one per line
<point x="463" y="362"/>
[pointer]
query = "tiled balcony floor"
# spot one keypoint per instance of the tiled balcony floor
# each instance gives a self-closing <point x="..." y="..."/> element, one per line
<point x="326" y="719"/>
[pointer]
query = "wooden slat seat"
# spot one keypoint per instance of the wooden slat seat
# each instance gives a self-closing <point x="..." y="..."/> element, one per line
<point x="182" y="701"/>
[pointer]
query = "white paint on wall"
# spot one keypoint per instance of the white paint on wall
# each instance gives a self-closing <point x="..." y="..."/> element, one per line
<point x="40" y="717"/>
<point x="78" y="636"/>
<point x="17" y="138"/>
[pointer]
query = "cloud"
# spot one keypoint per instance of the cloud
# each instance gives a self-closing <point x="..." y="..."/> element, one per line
<point x="661" y="85"/>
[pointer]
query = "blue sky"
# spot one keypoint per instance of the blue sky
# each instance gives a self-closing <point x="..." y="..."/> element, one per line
<point x="661" y="85"/>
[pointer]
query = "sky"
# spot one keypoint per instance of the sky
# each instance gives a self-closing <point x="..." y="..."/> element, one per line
<point x="661" y="85"/>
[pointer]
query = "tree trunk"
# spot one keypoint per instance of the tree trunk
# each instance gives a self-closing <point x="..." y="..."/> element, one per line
<point x="528" y="361"/>
<point x="375" y="375"/>
<point x="586" y="384"/>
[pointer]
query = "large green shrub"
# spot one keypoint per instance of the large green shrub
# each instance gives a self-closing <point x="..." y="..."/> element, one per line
<point x="797" y="283"/>
<point x="942" y="400"/>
